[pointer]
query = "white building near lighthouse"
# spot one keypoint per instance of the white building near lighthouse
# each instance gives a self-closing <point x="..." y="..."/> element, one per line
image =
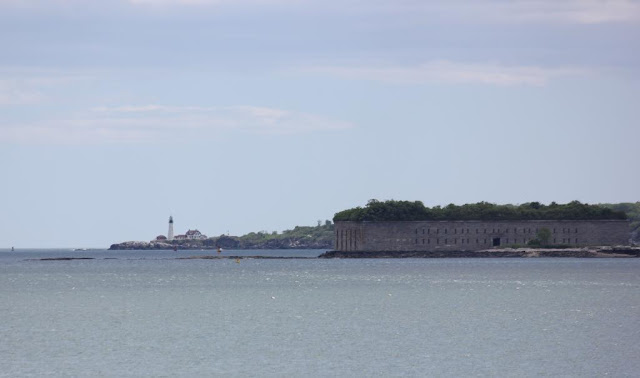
<point x="195" y="235"/>
<point x="190" y="235"/>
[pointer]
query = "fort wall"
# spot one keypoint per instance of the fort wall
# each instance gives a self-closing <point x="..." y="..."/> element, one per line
<point x="473" y="235"/>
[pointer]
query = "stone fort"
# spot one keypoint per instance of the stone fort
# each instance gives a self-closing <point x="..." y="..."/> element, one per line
<point x="473" y="235"/>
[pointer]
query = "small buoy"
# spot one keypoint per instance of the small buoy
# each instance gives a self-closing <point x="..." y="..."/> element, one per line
<point x="238" y="261"/>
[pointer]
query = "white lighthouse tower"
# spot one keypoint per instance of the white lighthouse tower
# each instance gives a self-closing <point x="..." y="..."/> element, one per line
<point x="170" y="233"/>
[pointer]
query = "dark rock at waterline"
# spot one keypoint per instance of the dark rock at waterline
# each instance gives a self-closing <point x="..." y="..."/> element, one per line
<point x="225" y="242"/>
<point x="605" y="251"/>
<point x="63" y="258"/>
<point x="158" y="245"/>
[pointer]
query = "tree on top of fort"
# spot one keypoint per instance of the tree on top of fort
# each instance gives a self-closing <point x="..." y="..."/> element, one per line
<point x="393" y="210"/>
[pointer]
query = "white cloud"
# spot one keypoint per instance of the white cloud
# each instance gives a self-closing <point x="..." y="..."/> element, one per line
<point x="506" y="11"/>
<point x="575" y="11"/>
<point x="30" y="86"/>
<point x="149" y="108"/>
<point x="18" y="92"/>
<point x="211" y="2"/>
<point x="158" y="123"/>
<point x="566" y="11"/>
<point x="443" y="71"/>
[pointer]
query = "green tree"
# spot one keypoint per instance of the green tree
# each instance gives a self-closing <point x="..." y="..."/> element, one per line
<point x="543" y="235"/>
<point x="416" y="211"/>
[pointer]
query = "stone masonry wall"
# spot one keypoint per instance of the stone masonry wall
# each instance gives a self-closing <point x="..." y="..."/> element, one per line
<point x="473" y="235"/>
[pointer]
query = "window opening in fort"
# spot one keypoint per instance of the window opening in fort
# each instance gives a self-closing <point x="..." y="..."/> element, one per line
<point x="455" y="241"/>
<point x="428" y="241"/>
<point x="506" y="231"/>
<point x="437" y="240"/>
<point x="422" y="241"/>
<point x="477" y="241"/>
<point x="445" y="230"/>
<point x="455" y="230"/>
<point x="467" y="240"/>
<point x="445" y="241"/>
<point x="477" y="231"/>
<point x="576" y="240"/>
<point x="496" y="242"/>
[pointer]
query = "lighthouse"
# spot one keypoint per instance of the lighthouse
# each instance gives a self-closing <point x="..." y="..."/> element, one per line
<point x="170" y="233"/>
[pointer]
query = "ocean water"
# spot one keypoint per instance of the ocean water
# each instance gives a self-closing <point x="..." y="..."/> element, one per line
<point x="141" y="313"/>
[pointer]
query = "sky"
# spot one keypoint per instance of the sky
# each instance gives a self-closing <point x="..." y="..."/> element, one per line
<point x="259" y="115"/>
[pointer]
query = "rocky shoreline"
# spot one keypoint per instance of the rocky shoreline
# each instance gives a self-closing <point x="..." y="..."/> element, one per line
<point x="587" y="252"/>
<point x="157" y="245"/>
<point x="225" y="243"/>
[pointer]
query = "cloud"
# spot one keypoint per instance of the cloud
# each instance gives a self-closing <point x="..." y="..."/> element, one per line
<point x="18" y="92"/>
<point x="443" y="71"/>
<point x="574" y="11"/>
<point x="210" y="2"/>
<point x="30" y="86"/>
<point x="159" y="123"/>
<point x="565" y="11"/>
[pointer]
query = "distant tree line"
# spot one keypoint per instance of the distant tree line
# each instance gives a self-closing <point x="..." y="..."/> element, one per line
<point x="320" y="236"/>
<point x="416" y="211"/>
<point x="632" y="209"/>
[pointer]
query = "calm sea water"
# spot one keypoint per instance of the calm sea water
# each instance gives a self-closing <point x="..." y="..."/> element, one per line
<point x="147" y="314"/>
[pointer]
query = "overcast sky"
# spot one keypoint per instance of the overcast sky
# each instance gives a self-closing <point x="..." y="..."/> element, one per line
<point x="248" y="115"/>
